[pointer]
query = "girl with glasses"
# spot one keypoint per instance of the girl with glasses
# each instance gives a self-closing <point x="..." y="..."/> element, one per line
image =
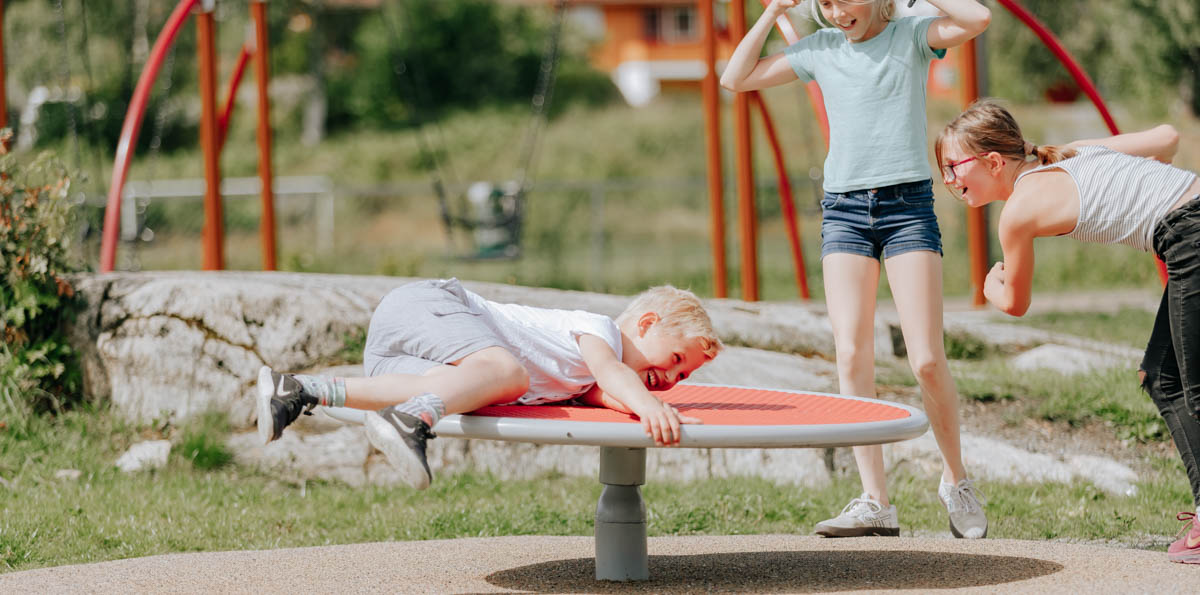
<point x="1116" y="190"/>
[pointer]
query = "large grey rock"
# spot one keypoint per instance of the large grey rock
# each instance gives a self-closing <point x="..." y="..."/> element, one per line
<point x="151" y="454"/>
<point x="1068" y="360"/>
<point x="991" y="459"/>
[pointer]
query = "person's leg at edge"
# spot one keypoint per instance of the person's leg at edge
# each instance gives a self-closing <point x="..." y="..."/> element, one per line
<point x="916" y="281"/>
<point x="1160" y="378"/>
<point x="1171" y="377"/>
<point x="851" y="281"/>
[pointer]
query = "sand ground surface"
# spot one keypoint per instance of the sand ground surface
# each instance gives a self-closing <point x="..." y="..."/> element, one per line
<point x="741" y="563"/>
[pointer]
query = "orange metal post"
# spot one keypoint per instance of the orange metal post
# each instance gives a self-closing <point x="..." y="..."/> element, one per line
<point x="977" y="225"/>
<point x="712" y="137"/>
<point x="214" y="258"/>
<point x="747" y="218"/>
<point x="263" y="73"/>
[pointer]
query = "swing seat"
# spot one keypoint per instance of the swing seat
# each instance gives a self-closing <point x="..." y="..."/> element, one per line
<point x="495" y="219"/>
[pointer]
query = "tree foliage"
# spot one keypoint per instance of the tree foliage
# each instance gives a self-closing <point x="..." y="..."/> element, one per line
<point x="416" y="59"/>
<point x="1133" y="51"/>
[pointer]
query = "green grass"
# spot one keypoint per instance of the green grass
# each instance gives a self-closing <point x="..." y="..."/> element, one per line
<point x="187" y="506"/>
<point x="1110" y="396"/>
<point x="1127" y="326"/>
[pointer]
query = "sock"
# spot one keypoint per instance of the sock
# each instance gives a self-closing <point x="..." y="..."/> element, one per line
<point x="330" y="391"/>
<point x="429" y="407"/>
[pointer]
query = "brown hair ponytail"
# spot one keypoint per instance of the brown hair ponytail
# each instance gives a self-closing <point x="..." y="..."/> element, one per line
<point x="985" y="127"/>
<point x="1047" y="154"/>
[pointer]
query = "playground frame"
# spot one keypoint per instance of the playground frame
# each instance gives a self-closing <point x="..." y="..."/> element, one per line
<point x="213" y="132"/>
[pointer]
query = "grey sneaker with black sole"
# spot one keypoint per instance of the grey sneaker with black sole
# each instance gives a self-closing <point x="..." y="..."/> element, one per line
<point x="279" y="400"/>
<point x="402" y="438"/>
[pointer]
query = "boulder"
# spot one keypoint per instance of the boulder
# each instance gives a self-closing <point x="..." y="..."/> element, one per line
<point x="1067" y="360"/>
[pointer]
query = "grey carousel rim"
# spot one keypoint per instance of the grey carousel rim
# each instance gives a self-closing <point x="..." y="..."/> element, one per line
<point x="631" y="434"/>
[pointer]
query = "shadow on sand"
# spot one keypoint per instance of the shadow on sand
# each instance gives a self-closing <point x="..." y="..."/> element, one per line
<point x="792" y="572"/>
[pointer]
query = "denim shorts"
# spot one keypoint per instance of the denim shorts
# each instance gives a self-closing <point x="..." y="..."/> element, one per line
<point x="885" y="222"/>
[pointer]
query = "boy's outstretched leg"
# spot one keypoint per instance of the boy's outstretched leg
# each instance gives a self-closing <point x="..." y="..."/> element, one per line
<point x="279" y="401"/>
<point x="399" y="422"/>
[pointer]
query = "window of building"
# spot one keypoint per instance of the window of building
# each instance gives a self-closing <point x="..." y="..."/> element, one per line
<point x="671" y="24"/>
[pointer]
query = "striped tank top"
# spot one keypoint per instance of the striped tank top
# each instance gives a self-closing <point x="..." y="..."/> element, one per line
<point x="1121" y="196"/>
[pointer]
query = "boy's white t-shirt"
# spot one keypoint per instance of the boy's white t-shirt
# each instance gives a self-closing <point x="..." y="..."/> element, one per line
<point x="546" y="342"/>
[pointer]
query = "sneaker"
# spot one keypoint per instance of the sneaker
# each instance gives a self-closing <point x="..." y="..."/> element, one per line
<point x="963" y="502"/>
<point x="861" y="517"/>
<point x="1187" y="549"/>
<point x="401" y="438"/>
<point x="281" y="399"/>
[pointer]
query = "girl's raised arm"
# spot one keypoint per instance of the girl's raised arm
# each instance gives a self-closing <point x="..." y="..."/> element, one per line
<point x="745" y="71"/>
<point x="963" y="21"/>
<point x="1159" y="143"/>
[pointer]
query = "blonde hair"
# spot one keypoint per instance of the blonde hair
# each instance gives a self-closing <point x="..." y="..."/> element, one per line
<point x="679" y="312"/>
<point x="885" y="10"/>
<point x="986" y="127"/>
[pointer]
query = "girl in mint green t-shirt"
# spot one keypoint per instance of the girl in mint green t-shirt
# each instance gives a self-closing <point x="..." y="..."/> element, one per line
<point x="878" y="207"/>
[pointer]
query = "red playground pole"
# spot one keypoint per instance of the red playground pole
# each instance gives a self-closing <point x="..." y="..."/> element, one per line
<point x="977" y="226"/>
<point x="130" y="129"/>
<point x="263" y="73"/>
<point x="214" y="257"/>
<point x="747" y="216"/>
<point x="235" y="80"/>
<point x="787" y="203"/>
<point x="712" y="138"/>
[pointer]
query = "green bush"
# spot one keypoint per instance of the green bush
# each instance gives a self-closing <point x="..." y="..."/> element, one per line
<point x="36" y="369"/>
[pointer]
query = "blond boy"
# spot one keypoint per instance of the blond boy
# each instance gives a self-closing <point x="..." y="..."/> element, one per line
<point x="434" y="348"/>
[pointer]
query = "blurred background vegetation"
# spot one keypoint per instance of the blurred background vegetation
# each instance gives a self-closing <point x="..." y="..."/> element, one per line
<point x="371" y="95"/>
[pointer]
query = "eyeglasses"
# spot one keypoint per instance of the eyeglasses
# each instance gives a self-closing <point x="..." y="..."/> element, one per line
<point x="948" y="170"/>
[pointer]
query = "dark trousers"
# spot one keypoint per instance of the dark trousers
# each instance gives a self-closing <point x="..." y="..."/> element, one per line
<point x="1172" y="361"/>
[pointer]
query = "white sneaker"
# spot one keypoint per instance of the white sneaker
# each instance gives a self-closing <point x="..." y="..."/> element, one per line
<point x="862" y="516"/>
<point x="964" y="504"/>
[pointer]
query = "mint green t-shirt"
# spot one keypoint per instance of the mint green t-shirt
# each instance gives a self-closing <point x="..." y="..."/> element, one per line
<point x="875" y="97"/>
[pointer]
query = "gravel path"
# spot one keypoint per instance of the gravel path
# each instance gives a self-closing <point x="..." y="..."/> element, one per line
<point x="744" y="563"/>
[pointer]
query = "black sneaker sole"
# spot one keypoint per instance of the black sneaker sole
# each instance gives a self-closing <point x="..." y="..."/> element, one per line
<point x="385" y="437"/>
<point x="262" y="404"/>
<point x="858" y="532"/>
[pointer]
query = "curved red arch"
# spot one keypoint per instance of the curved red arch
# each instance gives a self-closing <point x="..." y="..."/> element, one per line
<point x="1055" y="46"/>
<point x="235" y="80"/>
<point x="786" y="202"/>
<point x="129" y="131"/>
<point x="1077" y="73"/>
